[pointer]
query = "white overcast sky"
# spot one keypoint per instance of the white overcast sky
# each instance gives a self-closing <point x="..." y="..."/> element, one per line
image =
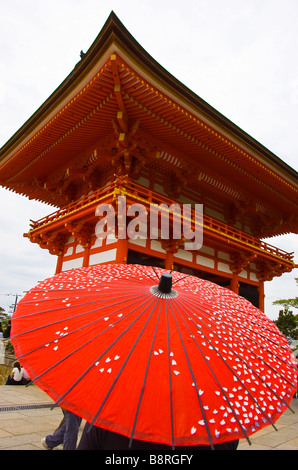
<point x="240" y="56"/>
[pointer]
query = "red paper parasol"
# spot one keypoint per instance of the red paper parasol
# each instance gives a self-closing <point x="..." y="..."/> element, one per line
<point x="183" y="365"/>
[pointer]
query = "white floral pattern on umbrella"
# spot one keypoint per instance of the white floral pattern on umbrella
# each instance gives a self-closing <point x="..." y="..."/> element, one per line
<point x="194" y="365"/>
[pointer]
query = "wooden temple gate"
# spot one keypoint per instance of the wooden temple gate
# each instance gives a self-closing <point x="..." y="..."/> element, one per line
<point x="120" y="124"/>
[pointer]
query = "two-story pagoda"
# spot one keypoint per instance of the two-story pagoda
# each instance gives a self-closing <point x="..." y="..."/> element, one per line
<point x="120" y="124"/>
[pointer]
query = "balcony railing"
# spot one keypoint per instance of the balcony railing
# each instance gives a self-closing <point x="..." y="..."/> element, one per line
<point x="136" y="193"/>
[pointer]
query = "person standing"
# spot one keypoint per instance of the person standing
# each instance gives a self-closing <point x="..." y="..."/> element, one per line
<point x="66" y="434"/>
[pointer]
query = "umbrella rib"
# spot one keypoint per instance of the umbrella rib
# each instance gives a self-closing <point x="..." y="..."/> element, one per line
<point x="263" y="327"/>
<point x="234" y="338"/>
<point x="85" y="344"/>
<point x="195" y="382"/>
<point x="135" y="300"/>
<point x="41" y="312"/>
<point x="156" y="274"/>
<point x="144" y="381"/>
<point x="181" y="279"/>
<point x="249" y="367"/>
<point x="145" y="273"/>
<point x="234" y="373"/>
<point x="203" y="313"/>
<point x="127" y="358"/>
<point x="170" y="376"/>
<point x="72" y="294"/>
<point x="246" y="347"/>
<point x="217" y="381"/>
<point x="102" y="354"/>
<point x="78" y="280"/>
<point x="254" y="341"/>
<point x="76" y="330"/>
<point x="255" y="323"/>
<point x="248" y="320"/>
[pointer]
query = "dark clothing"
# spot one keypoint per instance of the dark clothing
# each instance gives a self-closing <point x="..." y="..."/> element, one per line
<point x="95" y="438"/>
<point x="11" y="381"/>
<point x="66" y="434"/>
<point x="6" y="333"/>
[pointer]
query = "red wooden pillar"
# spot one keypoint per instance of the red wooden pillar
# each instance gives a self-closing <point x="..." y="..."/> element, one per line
<point x="59" y="264"/>
<point x="171" y="247"/>
<point x="86" y="257"/>
<point x="122" y="251"/>
<point x="234" y="283"/>
<point x="169" y="261"/>
<point x="261" y="296"/>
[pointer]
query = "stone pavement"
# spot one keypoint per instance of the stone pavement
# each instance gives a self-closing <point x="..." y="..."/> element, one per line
<point x="26" y="417"/>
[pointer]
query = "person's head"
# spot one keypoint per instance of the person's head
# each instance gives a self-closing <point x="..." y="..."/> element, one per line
<point x="18" y="365"/>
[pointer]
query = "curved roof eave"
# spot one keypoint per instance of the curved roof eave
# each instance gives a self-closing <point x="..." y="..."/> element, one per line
<point x="114" y="32"/>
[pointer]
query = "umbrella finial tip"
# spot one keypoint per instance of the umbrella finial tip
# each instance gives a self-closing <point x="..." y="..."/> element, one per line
<point x="165" y="283"/>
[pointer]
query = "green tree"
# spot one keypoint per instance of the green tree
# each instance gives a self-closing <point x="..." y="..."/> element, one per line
<point x="287" y="323"/>
<point x="4" y="319"/>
